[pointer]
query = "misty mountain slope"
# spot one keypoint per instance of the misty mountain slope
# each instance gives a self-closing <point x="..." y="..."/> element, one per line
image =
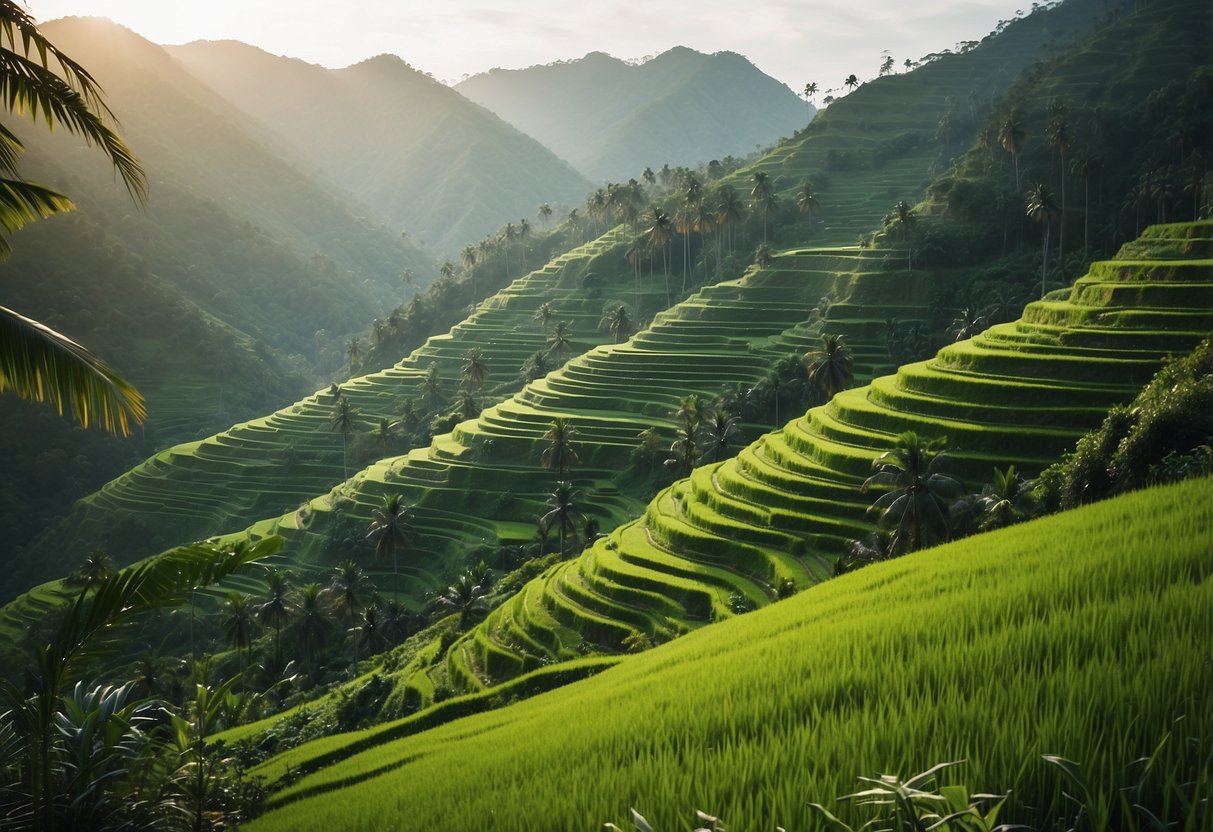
<point x="611" y="119"/>
<point x="422" y="156"/>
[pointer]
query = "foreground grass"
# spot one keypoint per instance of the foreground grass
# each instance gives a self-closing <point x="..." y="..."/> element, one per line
<point x="1083" y="635"/>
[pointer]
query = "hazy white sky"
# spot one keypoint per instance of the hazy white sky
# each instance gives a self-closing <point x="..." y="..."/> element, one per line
<point x="795" y="41"/>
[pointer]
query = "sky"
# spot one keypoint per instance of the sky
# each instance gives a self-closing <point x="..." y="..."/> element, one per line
<point x="795" y="41"/>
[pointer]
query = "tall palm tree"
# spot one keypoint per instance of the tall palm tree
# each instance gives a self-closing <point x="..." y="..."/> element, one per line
<point x="617" y="322"/>
<point x="560" y="451"/>
<point x="810" y="90"/>
<point x="831" y="369"/>
<point x="1042" y="209"/>
<point x="431" y="389"/>
<point x="239" y="623"/>
<point x="344" y="420"/>
<point x="730" y="210"/>
<point x="350" y="591"/>
<point x="312" y="624"/>
<point x="1011" y="136"/>
<point x="916" y="504"/>
<point x="852" y="82"/>
<point x="807" y="201"/>
<point x="562" y="505"/>
<point x="385" y="432"/>
<point x="524" y="231"/>
<point x="560" y="341"/>
<point x="1087" y="165"/>
<point x="276" y="609"/>
<point x="36" y="362"/>
<point x="544" y="212"/>
<point x="717" y="433"/>
<point x="1060" y="139"/>
<point x="762" y="198"/>
<point x="474" y="370"/>
<point x="684" y="450"/>
<point x="658" y="235"/>
<point x="390" y="528"/>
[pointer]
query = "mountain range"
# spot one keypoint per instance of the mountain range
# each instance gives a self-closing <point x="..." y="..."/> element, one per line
<point x="611" y="119"/>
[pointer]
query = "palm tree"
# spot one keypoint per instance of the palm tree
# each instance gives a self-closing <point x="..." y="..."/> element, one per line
<point x="562" y="510"/>
<point x="806" y="200"/>
<point x="916" y="504"/>
<point x="446" y="270"/>
<point x="810" y="90"/>
<point x="372" y="632"/>
<point x="386" y="432"/>
<point x="37" y="362"/>
<point x="560" y="452"/>
<point x="763" y="258"/>
<point x="544" y="213"/>
<point x="1006" y="501"/>
<point x="97" y="568"/>
<point x="1060" y="139"/>
<point x="239" y="622"/>
<point x="903" y="218"/>
<point x="730" y="210"/>
<point x="276" y="609"/>
<point x="658" y="235"/>
<point x="390" y="528"/>
<point x="431" y="389"/>
<point x="717" y="433"/>
<point x="832" y="368"/>
<point x="616" y="322"/>
<point x="560" y="341"/>
<point x="543" y="315"/>
<point x="344" y="420"/>
<point x="852" y="82"/>
<point x="762" y="198"/>
<point x="967" y="323"/>
<point x="524" y="231"/>
<point x="90" y="629"/>
<point x="1011" y="136"/>
<point x="685" y="451"/>
<point x="312" y="624"/>
<point x="465" y="596"/>
<point x="1087" y="165"/>
<point x="1042" y="209"/>
<point x="350" y="591"/>
<point x="474" y="370"/>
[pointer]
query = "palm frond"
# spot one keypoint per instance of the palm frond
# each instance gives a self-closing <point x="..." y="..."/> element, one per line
<point x="24" y="202"/>
<point x="41" y="364"/>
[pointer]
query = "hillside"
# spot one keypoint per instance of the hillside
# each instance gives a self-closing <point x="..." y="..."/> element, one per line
<point x="893" y="669"/>
<point x="240" y="279"/>
<point x="610" y="119"/>
<point x="422" y="157"/>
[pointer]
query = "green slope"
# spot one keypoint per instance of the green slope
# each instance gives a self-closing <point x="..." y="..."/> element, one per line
<point x="1082" y="634"/>
<point x="424" y="158"/>
<point x="1019" y="393"/>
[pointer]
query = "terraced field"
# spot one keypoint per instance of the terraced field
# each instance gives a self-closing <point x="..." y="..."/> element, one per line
<point x="735" y="531"/>
<point x="892" y="669"/>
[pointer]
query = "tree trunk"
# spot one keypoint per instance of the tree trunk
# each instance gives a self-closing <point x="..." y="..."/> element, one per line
<point x="1044" y="259"/>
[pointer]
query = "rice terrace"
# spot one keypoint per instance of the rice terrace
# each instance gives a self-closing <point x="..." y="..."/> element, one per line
<point x="681" y="417"/>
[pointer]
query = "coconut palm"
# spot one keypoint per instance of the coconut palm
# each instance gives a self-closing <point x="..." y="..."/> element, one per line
<point x="1042" y="209"/>
<point x="730" y="210"/>
<point x="465" y="596"/>
<point x="385" y="432"/>
<point x="1006" y="501"/>
<point x="831" y="369"/>
<point x="344" y="420"/>
<point x="1087" y="164"/>
<point x="560" y="452"/>
<point x="658" y="236"/>
<point x="685" y="452"/>
<point x="98" y="567"/>
<point x="560" y="341"/>
<point x="967" y="323"/>
<point x="239" y="622"/>
<point x="349" y="592"/>
<point x="807" y="201"/>
<point x="916" y="504"/>
<point x="543" y="315"/>
<point x="544" y="212"/>
<point x="852" y="82"/>
<point x="474" y="370"/>
<point x="312" y="624"/>
<point x="1011" y="136"/>
<point x="810" y="90"/>
<point x="563" y="511"/>
<point x="36" y="362"/>
<point x="1060" y="139"/>
<point x="617" y="322"/>
<point x="762" y="198"/>
<point x="717" y="434"/>
<point x="390" y="528"/>
<point x="276" y="609"/>
<point x="431" y="389"/>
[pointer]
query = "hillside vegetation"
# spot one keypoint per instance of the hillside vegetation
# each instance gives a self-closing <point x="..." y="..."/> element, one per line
<point x="417" y="153"/>
<point x="611" y="119"/>
<point x="1042" y="639"/>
